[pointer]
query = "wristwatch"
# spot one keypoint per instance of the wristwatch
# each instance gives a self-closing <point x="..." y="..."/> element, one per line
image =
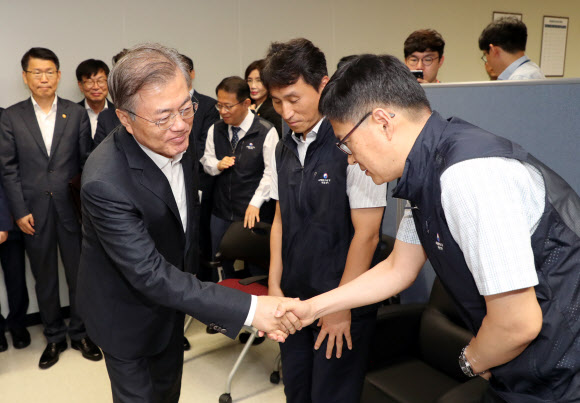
<point x="465" y="365"/>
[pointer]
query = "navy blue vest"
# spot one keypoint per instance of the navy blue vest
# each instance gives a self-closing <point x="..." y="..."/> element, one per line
<point x="235" y="186"/>
<point x="317" y="228"/>
<point x="548" y="369"/>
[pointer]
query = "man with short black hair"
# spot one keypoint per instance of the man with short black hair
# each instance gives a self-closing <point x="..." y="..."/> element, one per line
<point x="92" y="80"/>
<point x="44" y="142"/>
<point x="238" y="152"/>
<point x="503" y="43"/>
<point x="500" y="229"/>
<point x="325" y="231"/>
<point x="424" y="51"/>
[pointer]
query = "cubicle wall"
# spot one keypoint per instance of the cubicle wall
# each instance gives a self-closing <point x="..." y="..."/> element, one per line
<point x="541" y="115"/>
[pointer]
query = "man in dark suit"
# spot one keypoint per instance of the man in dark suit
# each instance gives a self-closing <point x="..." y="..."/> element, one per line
<point x="12" y="259"/>
<point x="140" y="217"/>
<point x="92" y="80"/>
<point x="205" y="116"/>
<point x="44" y="142"/>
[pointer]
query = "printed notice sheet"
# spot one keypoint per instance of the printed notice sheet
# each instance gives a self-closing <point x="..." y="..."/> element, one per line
<point x="553" y="54"/>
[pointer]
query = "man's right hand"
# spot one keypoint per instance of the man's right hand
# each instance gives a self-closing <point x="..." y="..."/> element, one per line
<point x="303" y="310"/>
<point x="226" y="162"/>
<point x="277" y="327"/>
<point x="3" y="236"/>
<point x="26" y="224"/>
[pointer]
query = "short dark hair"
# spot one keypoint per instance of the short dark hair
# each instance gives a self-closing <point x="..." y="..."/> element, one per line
<point x="39" y="53"/>
<point x="90" y="67"/>
<point x="235" y="85"/>
<point x="343" y="60"/>
<point x="423" y="40"/>
<point x="287" y="62"/>
<point x="188" y="62"/>
<point x="255" y="65"/>
<point x="508" y="33"/>
<point x="119" y="55"/>
<point x="369" y="81"/>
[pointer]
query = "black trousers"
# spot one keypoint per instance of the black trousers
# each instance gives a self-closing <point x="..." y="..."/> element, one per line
<point x="152" y="379"/>
<point x="42" y="253"/>
<point x="310" y="377"/>
<point x="13" y="266"/>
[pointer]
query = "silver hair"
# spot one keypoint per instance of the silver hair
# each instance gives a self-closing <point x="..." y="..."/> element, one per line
<point x="144" y="65"/>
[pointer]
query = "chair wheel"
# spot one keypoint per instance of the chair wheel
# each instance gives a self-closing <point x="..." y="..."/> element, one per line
<point x="226" y="398"/>
<point x="275" y="377"/>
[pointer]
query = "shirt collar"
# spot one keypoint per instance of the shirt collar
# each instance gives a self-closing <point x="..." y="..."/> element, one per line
<point x="37" y="107"/>
<point x="512" y="67"/>
<point x="159" y="159"/>
<point x="247" y="122"/>
<point x="87" y="107"/>
<point x="311" y="136"/>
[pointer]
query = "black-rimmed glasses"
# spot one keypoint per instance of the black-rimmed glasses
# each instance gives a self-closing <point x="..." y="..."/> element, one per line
<point x="341" y="144"/>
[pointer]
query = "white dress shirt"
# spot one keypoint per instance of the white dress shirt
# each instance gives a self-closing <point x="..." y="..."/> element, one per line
<point x="210" y="162"/>
<point x="362" y="192"/>
<point x="173" y="171"/>
<point x="492" y="207"/>
<point x="46" y="121"/>
<point x="94" y="116"/>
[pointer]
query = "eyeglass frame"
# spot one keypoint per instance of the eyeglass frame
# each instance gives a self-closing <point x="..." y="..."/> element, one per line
<point x="38" y="74"/>
<point x="484" y="58"/>
<point x="171" y="117"/>
<point x="93" y="82"/>
<point x="228" y="108"/>
<point x="422" y="60"/>
<point x="340" y="144"/>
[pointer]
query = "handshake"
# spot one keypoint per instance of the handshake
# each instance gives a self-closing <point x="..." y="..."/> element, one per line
<point x="279" y="317"/>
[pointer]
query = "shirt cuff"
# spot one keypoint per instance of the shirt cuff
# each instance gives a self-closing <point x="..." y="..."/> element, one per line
<point x="257" y="201"/>
<point x="252" y="311"/>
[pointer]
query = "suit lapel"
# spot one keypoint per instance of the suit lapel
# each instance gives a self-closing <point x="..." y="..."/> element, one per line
<point x="62" y="118"/>
<point x="29" y="119"/>
<point x="151" y="176"/>
<point x="190" y="194"/>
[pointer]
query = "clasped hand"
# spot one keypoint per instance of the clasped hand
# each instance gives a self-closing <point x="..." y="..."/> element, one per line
<point x="269" y="321"/>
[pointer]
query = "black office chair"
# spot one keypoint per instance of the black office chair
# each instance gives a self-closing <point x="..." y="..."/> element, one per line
<point x="414" y="355"/>
<point x="252" y="246"/>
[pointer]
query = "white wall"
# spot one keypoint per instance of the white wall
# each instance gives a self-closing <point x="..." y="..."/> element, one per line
<point x="224" y="36"/>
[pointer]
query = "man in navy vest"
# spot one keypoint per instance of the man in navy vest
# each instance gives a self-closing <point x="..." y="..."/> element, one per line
<point x="238" y="151"/>
<point x="500" y="228"/>
<point x="325" y="230"/>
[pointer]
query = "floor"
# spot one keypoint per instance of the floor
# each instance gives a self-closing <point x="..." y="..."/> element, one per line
<point x="74" y="379"/>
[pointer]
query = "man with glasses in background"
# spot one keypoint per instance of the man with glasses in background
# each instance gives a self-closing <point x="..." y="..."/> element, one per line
<point x="238" y="152"/>
<point x="424" y="51"/>
<point x="44" y="142"/>
<point x="92" y="80"/>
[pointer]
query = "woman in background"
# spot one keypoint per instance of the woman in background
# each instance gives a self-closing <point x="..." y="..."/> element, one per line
<point x="261" y="101"/>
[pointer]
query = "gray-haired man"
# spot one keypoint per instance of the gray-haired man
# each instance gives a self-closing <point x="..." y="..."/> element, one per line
<point x="139" y="247"/>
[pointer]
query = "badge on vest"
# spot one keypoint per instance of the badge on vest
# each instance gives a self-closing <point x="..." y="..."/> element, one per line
<point x="250" y="146"/>
<point x="439" y="243"/>
<point x="325" y="180"/>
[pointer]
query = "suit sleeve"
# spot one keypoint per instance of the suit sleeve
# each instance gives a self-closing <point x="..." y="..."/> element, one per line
<point x="5" y="216"/>
<point x="125" y="239"/>
<point x="10" y="167"/>
<point x="85" y="138"/>
<point x="211" y="116"/>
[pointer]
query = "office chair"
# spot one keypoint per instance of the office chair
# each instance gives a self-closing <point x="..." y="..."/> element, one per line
<point x="252" y="246"/>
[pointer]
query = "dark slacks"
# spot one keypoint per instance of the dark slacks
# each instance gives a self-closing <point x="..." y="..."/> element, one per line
<point x="310" y="377"/>
<point x="42" y="253"/>
<point x="219" y="227"/>
<point x="13" y="266"/>
<point x="152" y="379"/>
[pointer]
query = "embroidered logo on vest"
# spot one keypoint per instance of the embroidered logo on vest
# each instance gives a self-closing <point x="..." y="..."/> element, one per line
<point x="250" y="146"/>
<point x="324" y="180"/>
<point x="439" y="243"/>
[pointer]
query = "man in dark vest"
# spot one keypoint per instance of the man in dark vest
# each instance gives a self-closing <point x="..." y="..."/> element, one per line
<point x="325" y="230"/>
<point x="238" y="152"/>
<point x="500" y="228"/>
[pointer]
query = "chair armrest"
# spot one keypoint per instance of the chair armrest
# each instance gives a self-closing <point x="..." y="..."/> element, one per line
<point x="255" y="279"/>
<point x="396" y="334"/>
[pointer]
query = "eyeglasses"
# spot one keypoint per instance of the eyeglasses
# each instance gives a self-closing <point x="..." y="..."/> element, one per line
<point x="343" y="147"/>
<point x="226" y="108"/>
<point x="90" y="83"/>
<point x="427" y="60"/>
<point x="37" y="74"/>
<point x="484" y="58"/>
<point x="167" y="122"/>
